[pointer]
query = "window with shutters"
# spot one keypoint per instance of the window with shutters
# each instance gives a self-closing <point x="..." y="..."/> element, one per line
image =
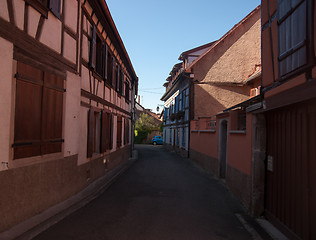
<point x="176" y="108"/>
<point x="99" y="57"/>
<point x="38" y="112"/>
<point x="183" y="137"/>
<point x="116" y="77"/>
<point x="42" y="6"/>
<point x="109" y="68"/>
<point x="100" y="132"/>
<point x="114" y="74"/>
<point x="127" y="99"/>
<point x="119" y="132"/>
<point x="121" y="81"/>
<point x="93" y="132"/>
<point x="293" y="35"/>
<point x="126" y="131"/>
<point x="93" y="47"/>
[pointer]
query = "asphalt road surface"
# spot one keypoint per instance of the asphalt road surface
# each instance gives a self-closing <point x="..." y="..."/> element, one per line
<point x="161" y="197"/>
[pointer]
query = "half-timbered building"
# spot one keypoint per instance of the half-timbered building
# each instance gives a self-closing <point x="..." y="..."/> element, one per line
<point x="289" y="113"/>
<point x="66" y="98"/>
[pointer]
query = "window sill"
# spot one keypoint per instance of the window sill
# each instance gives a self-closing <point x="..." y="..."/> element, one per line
<point x="294" y="73"/>
<point x="23" y="162"/>
<point x="204" y="131"/>
<point x="238" y="132"/>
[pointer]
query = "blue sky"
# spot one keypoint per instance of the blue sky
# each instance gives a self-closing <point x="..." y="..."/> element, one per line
<point x="155" y="33"/>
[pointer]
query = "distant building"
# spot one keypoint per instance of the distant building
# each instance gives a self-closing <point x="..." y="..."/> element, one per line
<point x="67" y="101"/>
<point x="177" y="106"/>
<point x="139" y="110"/>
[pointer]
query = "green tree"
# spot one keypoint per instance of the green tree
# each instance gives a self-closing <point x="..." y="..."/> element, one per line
<point x="144" y="126"/>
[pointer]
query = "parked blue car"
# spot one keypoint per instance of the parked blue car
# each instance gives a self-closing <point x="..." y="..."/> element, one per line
<point x="157" y="140"/>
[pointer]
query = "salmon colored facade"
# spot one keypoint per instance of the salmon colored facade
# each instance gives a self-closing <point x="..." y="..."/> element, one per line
<point x="67" y="100"/>
<point x="289" y="108"/>
<point x="226" y="82"/>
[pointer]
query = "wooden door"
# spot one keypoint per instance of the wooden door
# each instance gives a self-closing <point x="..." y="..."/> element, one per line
<point x="291" y="170"/>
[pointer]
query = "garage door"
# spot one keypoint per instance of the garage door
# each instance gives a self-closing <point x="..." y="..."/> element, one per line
<point x="291" y="169"/>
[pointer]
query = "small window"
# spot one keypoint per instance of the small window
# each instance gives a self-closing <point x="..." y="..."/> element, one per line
<point x="238" y="120"/>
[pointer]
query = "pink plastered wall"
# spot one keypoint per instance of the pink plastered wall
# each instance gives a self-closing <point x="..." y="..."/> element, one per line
<point x="204" y="142"/>
<point x="239" y="147"/>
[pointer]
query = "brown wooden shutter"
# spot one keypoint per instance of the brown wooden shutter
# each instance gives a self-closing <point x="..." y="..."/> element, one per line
<point x="118" y="78"/>
<point x="52" y="113"/>
<point x="54" y="7"/>
<point x="104" y="130"/>
<point x="111" y="131"/>
<point x="99" y="56"/>
<point x="28" y="111"/>
<point x="39" y="112"/>
<point x="126" y="91"/>
<point x="90" y="133"/>
<point x="105" y="61"/>
<point x="113" y="72"/>
<point x="93" y="48"/>
<point x="119" y="131"/>
<point x="121" y="83"/>
<point x="109" y="68"/>
<point x="126" y="131"/>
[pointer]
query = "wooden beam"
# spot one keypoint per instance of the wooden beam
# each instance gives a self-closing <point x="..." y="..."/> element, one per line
<point x="39" y="28"/>
<point x="33" y="48"/>
<point x="97" y="99"/>
<point x="11" y="12"/>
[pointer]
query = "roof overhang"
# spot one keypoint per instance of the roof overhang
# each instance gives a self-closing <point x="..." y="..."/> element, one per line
<point x="108" y="22"/>
<point x="249" y="105"/>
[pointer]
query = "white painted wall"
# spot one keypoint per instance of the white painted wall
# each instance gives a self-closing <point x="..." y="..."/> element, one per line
<point x="72" y="115"/>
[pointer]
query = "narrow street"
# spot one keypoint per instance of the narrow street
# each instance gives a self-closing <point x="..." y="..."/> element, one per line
<point x="162" y="196"/>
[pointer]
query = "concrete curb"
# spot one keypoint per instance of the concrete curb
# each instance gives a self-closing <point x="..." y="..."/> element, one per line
<point x="35" y="225"/>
